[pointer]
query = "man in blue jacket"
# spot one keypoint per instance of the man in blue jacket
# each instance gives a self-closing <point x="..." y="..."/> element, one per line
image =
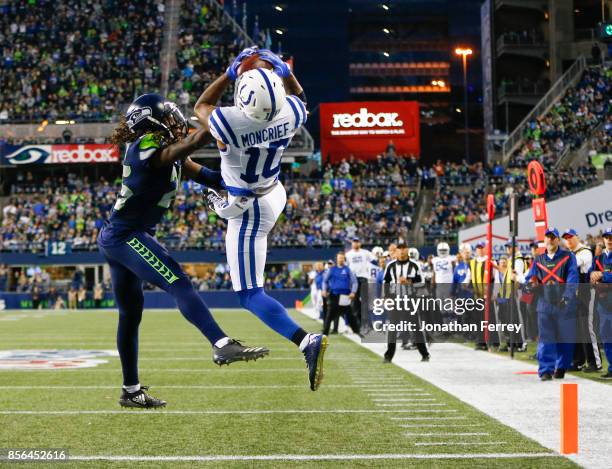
<point x="556" y="272"/>
<point x="601" y="273"/>
<point x="340" y="286"/>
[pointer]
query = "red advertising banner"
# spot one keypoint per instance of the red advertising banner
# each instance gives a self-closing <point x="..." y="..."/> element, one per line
<point x="11" y="155"/>
<point x="365" y="128"/>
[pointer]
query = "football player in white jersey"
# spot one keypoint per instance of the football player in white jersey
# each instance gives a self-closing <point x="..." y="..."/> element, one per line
<point x="269" y="108"/>
<point x="443" y="265"/>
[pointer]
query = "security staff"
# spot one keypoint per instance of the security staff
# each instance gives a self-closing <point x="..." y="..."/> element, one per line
<point x="400" y="274"/>
<point x="340" y="285"/>
<point x="477" y="275"/>
<point x="557" y="273"/>
<point x="587" y="348"/>
<point x="601" y="273"/>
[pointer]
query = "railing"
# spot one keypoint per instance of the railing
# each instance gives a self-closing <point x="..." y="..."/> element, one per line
<point x="569" y="78"/>
<point x="521" y="89"/>
<point x="516" y="39"/>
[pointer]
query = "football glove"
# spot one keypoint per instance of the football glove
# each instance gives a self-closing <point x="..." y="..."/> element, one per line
<point x="280" y="67"/>
<point x="564" y="302"/>
<point x="226" y="209"/>
<point x="232" y="70"/>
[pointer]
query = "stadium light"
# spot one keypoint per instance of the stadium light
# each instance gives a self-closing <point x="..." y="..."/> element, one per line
<point x="279" y="32"/>
<point x="386" y="30"/>
<point x="386" y="54"/>
<point x="464" y="53"/>
<point x="278" y="8"/>
<point x="385" y="7"/>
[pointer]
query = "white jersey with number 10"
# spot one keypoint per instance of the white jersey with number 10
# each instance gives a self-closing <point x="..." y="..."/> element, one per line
<point x="253" y="150"/>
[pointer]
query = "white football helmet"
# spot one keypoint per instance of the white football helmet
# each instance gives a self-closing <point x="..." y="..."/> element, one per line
<point x="378" y="251"/>
<point x="259" y="94"/>
<point x="413" y="254"/>
<point x="443" y="249"/>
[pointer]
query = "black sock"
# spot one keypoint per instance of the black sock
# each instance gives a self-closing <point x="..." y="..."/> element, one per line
<point x="298" y="336"/>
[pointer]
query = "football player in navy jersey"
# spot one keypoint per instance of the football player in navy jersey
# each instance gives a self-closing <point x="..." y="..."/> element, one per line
<point x="158" y="146"/>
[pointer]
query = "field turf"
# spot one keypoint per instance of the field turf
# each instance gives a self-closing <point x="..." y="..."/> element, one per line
<point x="260" y="414"/>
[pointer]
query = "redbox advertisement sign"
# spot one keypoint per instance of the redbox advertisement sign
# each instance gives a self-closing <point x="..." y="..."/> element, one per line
<point x="12" y="155"/>
<point x="365" y="128"/>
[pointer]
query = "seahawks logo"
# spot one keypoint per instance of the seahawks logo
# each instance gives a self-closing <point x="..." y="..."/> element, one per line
<point x="28" y="154"/>
<point x="138" y="115"/>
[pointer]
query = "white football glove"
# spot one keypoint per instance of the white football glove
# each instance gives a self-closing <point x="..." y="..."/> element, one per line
<point x="233" y="208"/>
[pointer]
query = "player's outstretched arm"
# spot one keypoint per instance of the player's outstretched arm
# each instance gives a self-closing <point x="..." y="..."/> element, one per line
<point x="202" y="175"/>
<point x="183" y="148"/>
<point x="207" y="102"/>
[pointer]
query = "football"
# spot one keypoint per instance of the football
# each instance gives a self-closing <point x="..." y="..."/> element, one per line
<point x="253" y="62"/>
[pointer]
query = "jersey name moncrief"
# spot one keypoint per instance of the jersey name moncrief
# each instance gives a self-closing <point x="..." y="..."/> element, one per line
<point x="253" y="150"/>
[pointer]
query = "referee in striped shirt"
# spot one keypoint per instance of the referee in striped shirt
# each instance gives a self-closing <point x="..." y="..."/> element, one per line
<point x="403" y="274"/>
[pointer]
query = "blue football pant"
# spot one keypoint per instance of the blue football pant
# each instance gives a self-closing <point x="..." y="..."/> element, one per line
<point x="605" y="329"/>
<point x="557" y="329"/>
<point x="141" y="258"/>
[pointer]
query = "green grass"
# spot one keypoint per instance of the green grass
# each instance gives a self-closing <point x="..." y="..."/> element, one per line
<point x="168" y="343"/>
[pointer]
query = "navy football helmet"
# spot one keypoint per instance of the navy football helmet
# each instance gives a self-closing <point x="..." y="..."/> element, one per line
<point x="152" y="113"/>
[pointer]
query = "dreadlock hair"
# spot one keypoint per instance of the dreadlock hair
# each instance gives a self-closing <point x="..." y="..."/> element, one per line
<point x="122" y="134"/>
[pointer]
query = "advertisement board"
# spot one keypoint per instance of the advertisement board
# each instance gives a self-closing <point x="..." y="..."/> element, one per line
<point x="17" y="155"/>
<point x="365" y="129"/>
<point x="588" y="212"/>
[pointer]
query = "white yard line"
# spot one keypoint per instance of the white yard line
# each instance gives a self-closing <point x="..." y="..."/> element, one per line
<point x="462" y="443"/>
<point x="397" y="399"/>
<point x="448" y="434"/>
<point x="204" y="412"/>
<point x="187" y="386"/>
<point x="429" y="418"/>
<point x="310" y="457"/>
<point x="408" y="405"/>
<point x="489" y="383"/>
<point x="446" y="425"/>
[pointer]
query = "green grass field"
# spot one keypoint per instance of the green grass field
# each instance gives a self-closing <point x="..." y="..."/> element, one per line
<point x="364" y="410"/>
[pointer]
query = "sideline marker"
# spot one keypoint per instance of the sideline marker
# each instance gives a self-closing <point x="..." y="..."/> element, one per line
<point x="569" y="418"/>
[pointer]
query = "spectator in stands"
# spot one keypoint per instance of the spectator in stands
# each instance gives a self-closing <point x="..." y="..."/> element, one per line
<point x="77" y="60"/>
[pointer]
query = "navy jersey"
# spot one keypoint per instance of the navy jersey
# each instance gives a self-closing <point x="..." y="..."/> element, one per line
<point x="146" y="192"/>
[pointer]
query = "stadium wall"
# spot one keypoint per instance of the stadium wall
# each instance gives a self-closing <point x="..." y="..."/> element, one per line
<point x="160" y="299"/>
<point x="588" y="212"/>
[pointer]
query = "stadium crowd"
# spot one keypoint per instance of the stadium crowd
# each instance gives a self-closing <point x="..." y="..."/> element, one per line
<point x="371" y="199"/>
<point x="80" y="60"/>
<point x="205" y="44"/>
<point x="569" y="122"/>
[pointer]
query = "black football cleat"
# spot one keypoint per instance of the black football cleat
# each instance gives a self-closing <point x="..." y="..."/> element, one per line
<point x="234" y="351"/>
<point x="313" y="354"/>
<point x="591" y="368"/>
<point x="608" y="375"/>
<point x="559" y="373"/>
<point x="425" y="358"/>
<point x="546" y="377"/>
<point x="140" y="399"/>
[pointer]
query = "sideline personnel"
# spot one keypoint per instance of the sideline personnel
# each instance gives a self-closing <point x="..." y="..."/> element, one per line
<point x="340" y="285"/>
<point x="557" y="272"/>
<point x="602" y="273"/>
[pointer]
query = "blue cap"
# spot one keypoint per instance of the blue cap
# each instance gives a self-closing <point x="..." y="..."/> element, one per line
<point x="570" y="232"/>
<point x="355" y="238"/>
<point x="480" y="244"/>
<point x="552" y="231"/>
<point x="508" y="243"/>
<point x="607" y="233"/>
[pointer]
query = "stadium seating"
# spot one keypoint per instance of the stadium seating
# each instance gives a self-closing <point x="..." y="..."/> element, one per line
<point x="74" y="60"/>
<point x="571" y="120"/>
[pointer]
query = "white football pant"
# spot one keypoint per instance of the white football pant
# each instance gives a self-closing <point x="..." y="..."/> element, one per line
<point x="246" y="240"/>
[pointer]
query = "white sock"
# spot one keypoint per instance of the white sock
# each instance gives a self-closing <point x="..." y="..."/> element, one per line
<point x="133" y="388"/>
<point x="222" y="342"/>
<point x="304" y="342"/>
